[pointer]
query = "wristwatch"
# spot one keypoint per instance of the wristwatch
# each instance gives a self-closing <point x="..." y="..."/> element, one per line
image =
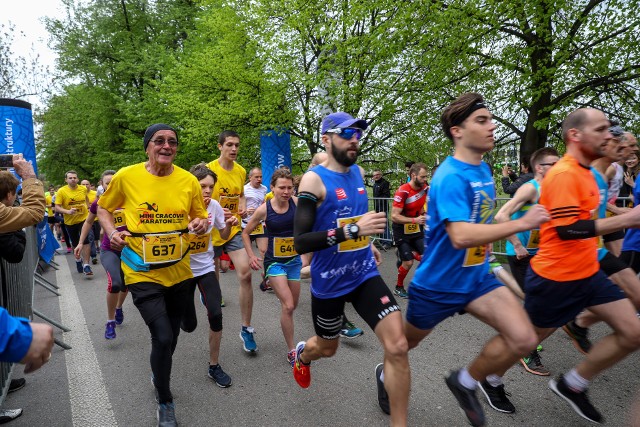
<point x="353" y="230"/>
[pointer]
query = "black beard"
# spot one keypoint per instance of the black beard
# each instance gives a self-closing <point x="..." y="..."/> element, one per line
<point x="343" y="158"/>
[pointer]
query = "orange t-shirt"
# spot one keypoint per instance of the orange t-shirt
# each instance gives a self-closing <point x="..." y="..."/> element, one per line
<point x="570" y="193"/>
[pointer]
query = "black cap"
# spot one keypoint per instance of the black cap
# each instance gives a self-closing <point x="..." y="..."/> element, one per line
<point x="151" y="130"/>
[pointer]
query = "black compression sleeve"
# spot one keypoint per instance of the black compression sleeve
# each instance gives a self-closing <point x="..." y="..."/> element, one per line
<point x="306" y="240"/>
<point x="581" y="229"/>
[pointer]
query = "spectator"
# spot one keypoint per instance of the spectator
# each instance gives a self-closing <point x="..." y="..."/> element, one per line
<point x="382" y="190"/>
<point x="508" y="175"/>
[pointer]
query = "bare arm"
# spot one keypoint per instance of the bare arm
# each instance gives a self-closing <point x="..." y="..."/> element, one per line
<point x="259" y="215"/>
<point x="86" y="226"/>
<point x="525" y="194"/>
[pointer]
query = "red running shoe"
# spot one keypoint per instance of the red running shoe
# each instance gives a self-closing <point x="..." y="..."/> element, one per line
<point x="301" y="371"/>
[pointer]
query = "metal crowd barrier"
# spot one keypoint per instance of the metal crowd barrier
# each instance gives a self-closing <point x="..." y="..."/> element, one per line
<point x="16" y="294"/>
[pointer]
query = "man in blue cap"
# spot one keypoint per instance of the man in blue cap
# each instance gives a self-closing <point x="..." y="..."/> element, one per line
<point x="332" y="221"/>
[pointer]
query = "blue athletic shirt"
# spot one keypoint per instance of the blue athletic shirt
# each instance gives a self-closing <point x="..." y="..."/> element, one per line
<point x="460" y="192"/>
<point x="603" y="189"/>
<point x="280" y="234"/>
<point x="340" y="269"/>
<point x="531" y="245"/>
<point x="632" y="237"/>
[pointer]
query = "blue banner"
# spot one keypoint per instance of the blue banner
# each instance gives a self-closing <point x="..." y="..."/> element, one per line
<point x="275" y="149"/>
<point x="16" y="130"/>
<point x="47" y="243"/>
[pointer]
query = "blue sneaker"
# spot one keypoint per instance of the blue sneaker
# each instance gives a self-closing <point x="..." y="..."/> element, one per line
<point x="87" y="270"/>
<point x="119" y="316"/>
<point x="349" y="330"/>
<point x="248" y="343"/>
<point x="110" y="330"/>
<point x="220" y="377"/>
<point x="166" y="414"/>
<point x="79" y="265"/>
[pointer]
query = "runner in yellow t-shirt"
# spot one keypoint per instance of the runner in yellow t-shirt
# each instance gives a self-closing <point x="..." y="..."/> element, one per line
<point x="229" y="192"/>
<point x="94" y="237"/>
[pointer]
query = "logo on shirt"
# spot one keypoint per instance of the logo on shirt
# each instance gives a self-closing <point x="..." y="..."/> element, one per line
<point x="360" y="190"/>
<point x="341" y="194"/>
<point x="148" y="206"/>
<point x="385" y="300"/>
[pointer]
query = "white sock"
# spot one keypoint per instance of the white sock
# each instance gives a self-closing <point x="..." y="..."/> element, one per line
<point x="466" y="380"/>
<point x="575" y="381"/>
<point x="494" y="380"/>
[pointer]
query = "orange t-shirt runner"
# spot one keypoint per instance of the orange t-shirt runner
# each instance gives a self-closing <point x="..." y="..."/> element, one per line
<point x="570" y="193"/>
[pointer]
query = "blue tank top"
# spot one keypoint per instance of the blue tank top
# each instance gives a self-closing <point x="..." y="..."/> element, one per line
<point x="280" y="235"/>
<point x="530" y="239"/>
<point x="603" y="189"/>
<point x="340" y="269"/>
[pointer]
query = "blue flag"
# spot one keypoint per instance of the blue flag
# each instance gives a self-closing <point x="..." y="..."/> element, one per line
<point x="16" y="130"/>
<point x="275" y="149"/>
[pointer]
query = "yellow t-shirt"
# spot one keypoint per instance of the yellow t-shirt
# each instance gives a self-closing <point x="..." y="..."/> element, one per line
<point x="92" y="196"/>
<point x="227" y="191"/>
<point x="268" y="196"/>
<point x="154" y="204"/>
<point x="48" y="197"/>
<point x="69" y="199"/>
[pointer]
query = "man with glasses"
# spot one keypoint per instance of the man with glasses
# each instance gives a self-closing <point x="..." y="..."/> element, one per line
<point x="522" y="246"/>
<point x="333" y="222"/>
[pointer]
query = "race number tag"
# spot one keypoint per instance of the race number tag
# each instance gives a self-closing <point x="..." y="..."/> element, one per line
<point x="230" y="203"/>
<point x="352" y="245"/>
<point x="161" y="248"/>
<point x="411" y="228"/>
<point x="475" y="256"/>
<point x="283" y="247"/>
<point x="600" y="242"/>
<point x="258" y="230"/>
<point x="534" y="239"/>
<point x="118" y="218"/>
<point x="199" y="243"/>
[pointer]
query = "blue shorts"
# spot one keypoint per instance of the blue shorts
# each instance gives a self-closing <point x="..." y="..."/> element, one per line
<point x="290" y="269"/>
<point x="552" y="304"/>
<point x="427" y="308"/>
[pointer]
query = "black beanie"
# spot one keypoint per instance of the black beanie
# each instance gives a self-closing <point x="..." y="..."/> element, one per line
<point x="151" y="130"/>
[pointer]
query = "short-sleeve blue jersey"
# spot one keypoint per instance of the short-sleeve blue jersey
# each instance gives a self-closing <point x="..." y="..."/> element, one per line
<point x="460" y="192"/>
<point x="603" y="189"/>
<point x="529" y="238"/>
<point x="632" y="237"/>
<point x="340" y="269"/>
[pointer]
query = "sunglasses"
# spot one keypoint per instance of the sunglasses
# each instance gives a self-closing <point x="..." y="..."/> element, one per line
<point x="160" y="142"/>
<point x="346" y="133"/>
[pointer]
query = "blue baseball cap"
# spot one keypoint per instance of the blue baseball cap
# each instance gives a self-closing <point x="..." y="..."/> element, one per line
<point x="341" y="120"/>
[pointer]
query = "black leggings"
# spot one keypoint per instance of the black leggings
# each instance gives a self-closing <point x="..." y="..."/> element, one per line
<point x="210" y="289"/>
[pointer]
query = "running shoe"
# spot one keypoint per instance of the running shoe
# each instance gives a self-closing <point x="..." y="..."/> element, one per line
<point x="349" y="330"/>
<point x="110" y="330"/>
<point x="579" y="336"/>
<point x="401" y="292"/>
<point x="466" y="398"/>
<point x="94" y="260"/>
<point x="69" y="251"/>
<point x="219" y="376"/>
<point x="539" y="348"/>
<point x="291" y="357"/>
<point x="167" y="415"/>
<point x="119" y="316"/>
<point x="7" y="415"/>
<point x="248" y="343"/>
<point x="265" y="286"/>
<point x="383" y="397"/>
<point x="78" y="264"/>
<point x="301" y="370"/>
<point x="87" y="270"/>
<point x="497" y="397"/>
<point x="579" y="401"/>
<point x="533" y="364"/>
<point x="16" y="385"/>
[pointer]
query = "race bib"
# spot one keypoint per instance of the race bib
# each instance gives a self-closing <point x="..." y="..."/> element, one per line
<point x="609" y="214"/>
<point x="199" y="243"/>
<point x="258" y="230"/>
<point x="283" y="247"/>
<point x="534" y="239"/>
<point x="600" y="242"/>
<point x="161" y="248"/>
<point x="118" y="218"/>
<point x="352" y="245"/>
<point x="411" y="228"/>
<point x="230" y="203"/>
<point x="475" y="256"/>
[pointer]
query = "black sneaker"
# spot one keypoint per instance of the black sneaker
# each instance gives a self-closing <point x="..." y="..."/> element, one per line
<point x="383" y="397"/>
<point x="166" y="414"/>
<point x="579" y="401"/>
<point x="219" y="376"/>
<point x="467" y="399"/>
<point x="579" y="336"/>
<point x="497" y="397"/>
<point x="16" y="384"/>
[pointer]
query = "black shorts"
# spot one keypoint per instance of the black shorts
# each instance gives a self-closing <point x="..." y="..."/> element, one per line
<point x="632" y="259"/>
<point x="74" y="234"/>
<point x="372" y="300"/>
<point x="406" y="247"/>
<point x="611" y="264"/>
<point x="154" y="300"/>
<point x="612" y="237"/>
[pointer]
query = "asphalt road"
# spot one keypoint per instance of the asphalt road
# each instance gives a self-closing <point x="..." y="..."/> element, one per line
<point x="101" y="382"/>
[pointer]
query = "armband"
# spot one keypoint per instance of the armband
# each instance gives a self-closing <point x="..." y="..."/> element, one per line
<point x="581" y="229"/>
<point x="309" y="196"/>
<point x="112" y="233"/>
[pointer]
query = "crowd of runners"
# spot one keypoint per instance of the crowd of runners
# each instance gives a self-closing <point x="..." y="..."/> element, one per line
<point x="573" y="252"/>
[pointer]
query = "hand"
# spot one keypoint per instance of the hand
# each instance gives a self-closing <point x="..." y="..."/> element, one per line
<point x="422" y="219"/>
<point x="77" y="250"/>
<point x="198" y="225"/>
<point x="232" y="221"/>
<point x="506" y="170"/>
<point x="521" y="252"/>
<point x="536" y="215"/>
<point x="372" y="223"/>
<point x="73" y="211"/>
<point x="628" y="178"/>
<point x="254" y="262"/>
<point x="207" y="200"/>
<point x="227" y="213"/>
<point x="243" y="213"/>
<point x="376" y="255"/>
<point x="117" y="241"/>
<point x="22" y="167"/>
<point x="39" y="351"/>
